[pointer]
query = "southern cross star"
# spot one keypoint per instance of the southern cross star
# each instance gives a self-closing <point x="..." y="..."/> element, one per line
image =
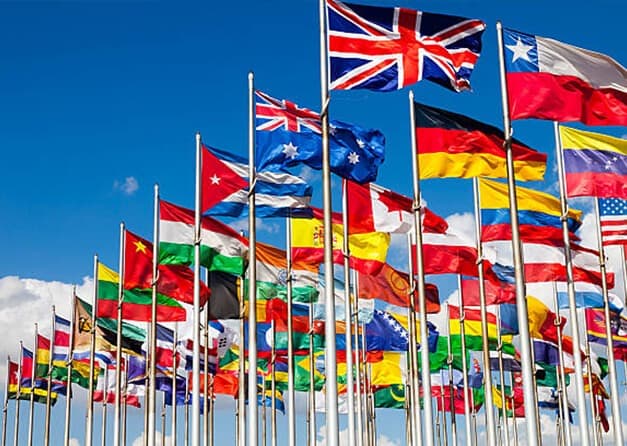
<point x="290" y="150"/>
<point x="520" y="50"/>
<point x="353" y="158"/>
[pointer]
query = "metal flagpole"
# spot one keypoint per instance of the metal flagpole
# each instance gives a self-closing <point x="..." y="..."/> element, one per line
<point x="186" y="414"/>
<point x="211" y="410"/>
<point x="291" y="399"/>
<point x="593" y="406"/>
<point x="163" y="418"/>
<point x="174" y="376"/>
<point x="444" y="426"/>
<point x="252" y="272"/>
<point x="5" y="406"/>
<point x="124" y="403"/>
<point x="205" y="377"/>
<point x="31" y="416"/>
<point x="16" y="429"/>
<point x="49" y="385"/>
<point x="332" y="427"/>
<point x="273" y="431"/>
<point x="152" y="366"/>
<point x="366" y="381"/>
<point x="414" y="396"/>
<point x="572" y="303"/>
<point x="241" y="393"/>
<point x="103" y="428"/>
<point x="487" y="376"/>
<point x="92" y="348"/>
<point x="68" y="361"/>
<point x="462" y="330"/>
<point x="118" y="356"/>
<point x="358" y="351"/>
<point x="422" y="303"/>
<point x="264" y="434"/>
<point x="449" y="361"/>
<point x="561" y="390"/>
<point x="347" y="317"/>
<point x="312" y="385"/>
<point x="499" y="349"/>
<point x="196" y="312"/>
<point x="611" y="360"/>
<point x="521" y="302"/>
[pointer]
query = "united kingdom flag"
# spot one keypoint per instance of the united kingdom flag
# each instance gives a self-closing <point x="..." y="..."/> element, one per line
<point x="273" y="114"/>
<point x="384" y="49"/>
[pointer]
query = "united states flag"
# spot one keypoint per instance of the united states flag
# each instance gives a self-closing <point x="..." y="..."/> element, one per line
<point x="613" y="216"/>
<point x="383" y="49"/>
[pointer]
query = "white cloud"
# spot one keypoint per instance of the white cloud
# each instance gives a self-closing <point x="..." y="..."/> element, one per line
<point x="129" y="186"/>
<point x="74" y="442"/>
<point x="463" y="225"/>
<point x="139" y="441"/>
<point x="262" y="225"/>
<point x="382" y="440"/>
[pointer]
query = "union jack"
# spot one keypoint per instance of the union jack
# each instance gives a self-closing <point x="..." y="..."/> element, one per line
<point x="385" y="49"/>
<point x="273" y="114"/>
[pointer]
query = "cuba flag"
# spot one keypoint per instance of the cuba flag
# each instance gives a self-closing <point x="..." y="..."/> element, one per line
<point x="288" y="135"/>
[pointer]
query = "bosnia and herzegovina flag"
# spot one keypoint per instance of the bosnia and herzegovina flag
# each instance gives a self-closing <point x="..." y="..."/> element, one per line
<point x="451" y="145"/>
<point x="595" y="164"/>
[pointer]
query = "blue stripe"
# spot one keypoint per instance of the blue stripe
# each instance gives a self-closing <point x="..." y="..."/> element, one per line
<point x="593" y="160"/>
<point x="583" y="299"/>
<point x="502" y="216"/>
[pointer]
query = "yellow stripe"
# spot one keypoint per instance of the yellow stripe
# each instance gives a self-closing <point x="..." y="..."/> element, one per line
<point x="579" y="139"/>
<point x="494" y="195"/>
<point x="388" y="371"/>
<point x="42" y="356"/>
<point x="106" y="274"/>
<point x="468" y="165"/>
<point x="308" y="233"/>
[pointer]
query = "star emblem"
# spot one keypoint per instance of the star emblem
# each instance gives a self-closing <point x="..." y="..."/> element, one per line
<point x="215" y="179"/>
<point x="520" y="50"/>
<point x="332" y="129"/>
<point x="353" y="158"/>
<point x="140" y="247"/>
<point x="290" y="150"/>
<point x="360" y="143"/>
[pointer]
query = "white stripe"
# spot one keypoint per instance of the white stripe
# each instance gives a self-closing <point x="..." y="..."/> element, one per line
<point x="447" y="239"/>
<point x="538" y="253"/>
<point x="275" y="201"/>
<point x="268" y="177"/>
<point x="183" y="234"/>
<point x="613" y="218"/>
<point x="598" y="70"/>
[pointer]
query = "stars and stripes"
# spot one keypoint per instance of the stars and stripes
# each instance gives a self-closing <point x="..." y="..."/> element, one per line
<point x="613" y="217"/>
<point x="385" y="49"/>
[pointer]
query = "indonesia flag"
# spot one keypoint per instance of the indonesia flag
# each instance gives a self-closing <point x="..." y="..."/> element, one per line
<point x="448" y="254"/>
<point x="61" y="345"/>
<point x="373" y="208"/>
<point x="548" y="79"/>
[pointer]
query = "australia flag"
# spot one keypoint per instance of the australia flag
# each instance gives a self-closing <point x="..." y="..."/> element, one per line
<point x="288" y="135"/>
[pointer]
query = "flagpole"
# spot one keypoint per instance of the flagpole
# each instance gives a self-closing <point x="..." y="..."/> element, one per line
<point x="450" y="381"/>
<point x="572" y="303"/>
<point x="253" y="437"/>
<point x="462" y="329"/>
<point x="347" y="317"/>
<point x="186" y="414"/>
<point x="124" y="403"/>
<point x="311" y="410"/>
<point x="422" y="303"/>
<point x="562" y="393"/>
<point x="163" y="418"/>
<point x="444" y="427"/>
<point x="332" y="427"/>
<point x="273" y="431"/>
<point x="211" y="410"/>
<point x="614" y="395"/>
<point x="241" y="389"/>
<point x="31" y="415"/>
<point x="118" y="356"/>
<point x="521" y="302"/>
<point x="358" y="381"/>
<point x="593" y="405"/>
<point x="499" y="350"/>
<point x="68" y="398"/>
<point x="487" y="376"/>
<point x="92" y="348"/>
<point x="150" y="363"/>
<point x="264" y="435"/>
<point x="174" y="375"/>
<point x="5" y="406"/>
<point x="103" y="429"/>
<point x="49" y="386"/>
<point x="205" y="378"/>
<point x="16" y="429"/>
<point x="414" y="396"/>
<point x="196" y="312"/>
<point x="291" y="397"/>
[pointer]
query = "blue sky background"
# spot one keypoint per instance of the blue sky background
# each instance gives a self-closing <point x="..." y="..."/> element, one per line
<point x="93" y="93"/>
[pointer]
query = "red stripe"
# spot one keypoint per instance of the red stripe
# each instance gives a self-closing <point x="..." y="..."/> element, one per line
<point x="470" y="315"/>
<point x="316" y="255"/>
<point x="548" y="272"/>
<point x="138" y="312"/>
<point x="438" y="140"/>
<point x="564" y="98"/>
<point x="61" y="338"/>
<point x="528" y="233"/>
<point x="591" y="184"/>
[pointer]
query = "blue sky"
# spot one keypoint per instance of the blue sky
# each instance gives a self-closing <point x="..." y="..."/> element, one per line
<point x="100" y="100"/>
